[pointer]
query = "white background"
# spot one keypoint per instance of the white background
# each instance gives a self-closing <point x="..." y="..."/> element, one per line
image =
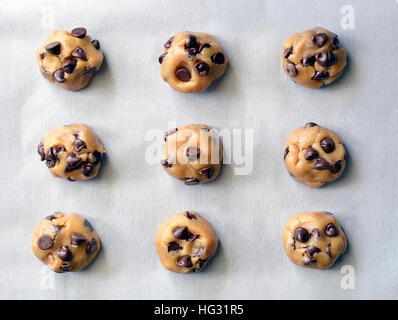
<point x="130" y="197"/>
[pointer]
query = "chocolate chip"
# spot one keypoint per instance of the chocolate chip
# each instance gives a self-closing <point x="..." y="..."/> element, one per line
<point x="192" y="237"/>
<point x="190" y="215"/>
<point x="311" y="250"/>
<point x="79" y="145"/>
<point x="79" y="53"/>
<point x="79" y="32"/>
<point x="319" y="75"/>
<point x="45" y="242"/>
<point x="191" y="52"/>
<point x="66" y="267"/>
<point x="206" y="172"/>
<point x="316" y="232"/>
<point x="326" y="58"/>
<point x="169" y="42"/>
<point x="192" y="42"/>
<point x="181" y="233"/>
<point x="291" y="70"/>
<point x="169" y="133"/>
<point x="335" y="44"/>
<point x="200" y="264"/>
<point x="331" y="230"/>
<point x="191" y="181"/>
<point x="320" y="39"/>
<point x="308" y="261"/>
<point x="327" y="251"/>
<point x="327" y="145"/>
<point x="57" y="230"/>
<point x="40" y="151"/>
<point x="68" y="65"/>
<point x="72" y="161"/>
<point x="89" y="70"/>
<point x="41" y="55"/>
<point x="78" y="239"/>
<point x="59" y="76"/>
<point x="96" y="44"/>
<point x="64" y="253"/>
<point x="193" y="153"/>
<point x="197" y="252"/>
<point x="88" y="225"/>
<point x="53" y="47"/>
<point x="285" y="153"/>
<point x="321" y="164"/>
<point x="184" y="261"/>
<point x="203" y="46"/>
<point x="301" y="234"/>
<point x="202" y="68"/>
<point x="336" y="167"/>
<point x="87" y="169"/>
<point x="57" y="150"/>
<point x="183" y="74"/>
<point x="51" y="217"/>
<point x="91" y="247"/>
<point x="311" y="124"/>
<point x="98" y="156"/>
<point x="311" y="154"/>
<point x="218" y="58"/>
<point x="166" y="163"/>
<point x="161" y="57"/>
<point x="287" y="52"/>
<point x="50" y="158"/>
<point x="173" y="246"/>
<point x="308" y="61"/>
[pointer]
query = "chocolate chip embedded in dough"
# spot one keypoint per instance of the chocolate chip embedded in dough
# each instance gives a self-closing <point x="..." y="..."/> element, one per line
<point x="53" y="47"/>
<point x="59" y="76"/>
<point x="301" y="234"/>
<point x="311" y="250"/>
<point x="64" y="253"/>
<point x="57" y="230"/>
<point x="79" y="53"/>
<point x="191" y="181"/>
<point x="206" y="172"/>
<point x="97" y="156"/>
<point x="50" y="158"/>
<point x="311" y="124"/>
<point x="308" y="61"/>
<point x="42" y="55"/>
<point x="181" y="233"/>
<point x="96" y="44"/>
<point x="326" y="58"/>
<point x="45" y="242"/>
<point x="166" y="163"/>
<point x="169" y="42"/>
<point x="321" y="164"/>
<point x="78" y="239"/>
<point x="68" y="65"/>
<point x="79" y="145"/>
<point x="287" y="52"/>
<point x="320" y="75"/>
<point x="336" y="167"/>
<point x="200" y="264"/>
<point x="285" y="153"/>
<point x="161" y="57"/>
<point x="184" y="261"/>
<point x="320" y="39"/>
<point x="88" y="225"/>
<point x="57" y="150"/>
<point x="66" y="267"/>
<point x="311" y="154"/>
<point x="327" y="251"/>
<point x="202" y="68"/>
<point x="192" y="42"/>
<point x="308" y="261"/>
<point x="183" y="74"/>
<point x="193" y="153"/>
<point x="87" y="169"/>
<point x="191" y="52"/>
<point x="203" y="46"/>
<point x="291" y="70"/>
<point x="190" y="215"/>
<point x="79" y="32"/>
<point x="327" y="145"/>
<point x="40" y="151"/>
<point x="72" y="161"/>
<point x="91" y="247"/>
<point x="173" y="246"/>
<point x="331" y="230"/>
<point x="51" y="217"/>
<point x="316" y="232"/>
<point x="218" y="58"/>
<point x="335" y="44"/>
<point x="192" y="237"/>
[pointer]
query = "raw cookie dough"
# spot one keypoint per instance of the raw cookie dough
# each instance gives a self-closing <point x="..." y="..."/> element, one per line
<point x="69" y="58"/>
<point x="65" y="242"/>
<point x="314" y="57"/>
<point x="314" y="155"/>
<point x="191" y="61"/>
<point x="185" y="242"/>
<point x="72" y="152"/>
<point x="192" y="153"/>
<point x="314" y="239"/>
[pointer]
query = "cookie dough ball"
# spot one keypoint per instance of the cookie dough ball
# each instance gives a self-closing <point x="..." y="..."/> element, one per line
<point x="313" y="58"/>
<point x="192" y="153"/>
<point x="69" y="58"/>
<point x="314" y="239"/>
<point x="65" y="242"/>
<point x="185" y="242"/>
<point x="191" y="61"/>
<point x="72" y="152"/>
<point x="314" y="155"/>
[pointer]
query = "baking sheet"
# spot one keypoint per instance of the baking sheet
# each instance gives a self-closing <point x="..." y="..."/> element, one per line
<point x="131" y="197"/>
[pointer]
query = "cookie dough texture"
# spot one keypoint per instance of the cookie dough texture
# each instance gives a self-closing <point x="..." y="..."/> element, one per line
<point x="314" y="239"/>
<point x="69" y="59"/>
<point x="65" y="242"/>
<point x="72" y="152"/>
<point x="314" y="155"/>
<point x="185" y="242"/>
<point x="192" y="153"/>
<point x="314" y="57"/>
<point x="191" y="61"/>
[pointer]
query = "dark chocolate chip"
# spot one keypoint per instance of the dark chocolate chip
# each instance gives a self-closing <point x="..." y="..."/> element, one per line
<point x="88" y="225"/>
<point x="59" y="76"/>
<point x="192" y="237"/>
<point x="308" y="61"/>
<point x="79" y="53"/>
<point x="50" y="158"/>
<point x="191" y="52"/>
<point x="218" y="58"/>
<point x="57" y="150"/>
<point x="331" y="230"/>
<point x="98" y="156"/>
<point x="91" y="247"/>
<point x="285" y="153"/>
<point x="287" y="52"/>
<point x="68" y="65"/>
<point x="169" y="133"/>
<point x="51" y="217"/>
<point x="311" y="124"/>
<point x="311" y="250"/>
<point x="319" y="75"/>
<point x="79" y="32"/>
<point x="335" y="44"/>
<point x="78" y="239"/>
<point x="161" y="57"/>
<point x="66" y="267"/>
<point x="327" y="251"/>
<point x="41" y="55"/>
<point x="320" y="39"/>
<point x="184" y="261"/>
<point x="291" y="69"/>
<point x="181" y="233"/>
<point x="321" y="164"/>
<point x="183" y="74"/>
<point x="72" y="161"/>
<point x="45" y="242"/>
<point x="316" y="232"/>
<point x="87" y="169"/>
<point x="197" y="252"/>
<point x="166" y="163"/>
<point x="200" y="264"/>
<point x="326" y="58"/>
<point x="336" y="167"/>
<point x="169" y="42"/>
<point x="40" y="151"/>
<point x="191" y="181"/>
<point x="79" y="145"/>
<point x="64" y="253"/>
<point x="202" y="68"/>
<point x="173" y="246"/>
<point x="206" y="172"/>
<point x="190" y="215"/>
<point x="308" y="261"/>
<point x="311" y="154"/>
<point x="96" y="44"/>
<point x="89" y="70"/>
<point x="327" y="145"/>
<point x="192" y="42"/>
<point x="193" y="153"/>
<point x="53" y="47"/>
<point x="203" y="46"/>
<point x="301" y="234"/>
